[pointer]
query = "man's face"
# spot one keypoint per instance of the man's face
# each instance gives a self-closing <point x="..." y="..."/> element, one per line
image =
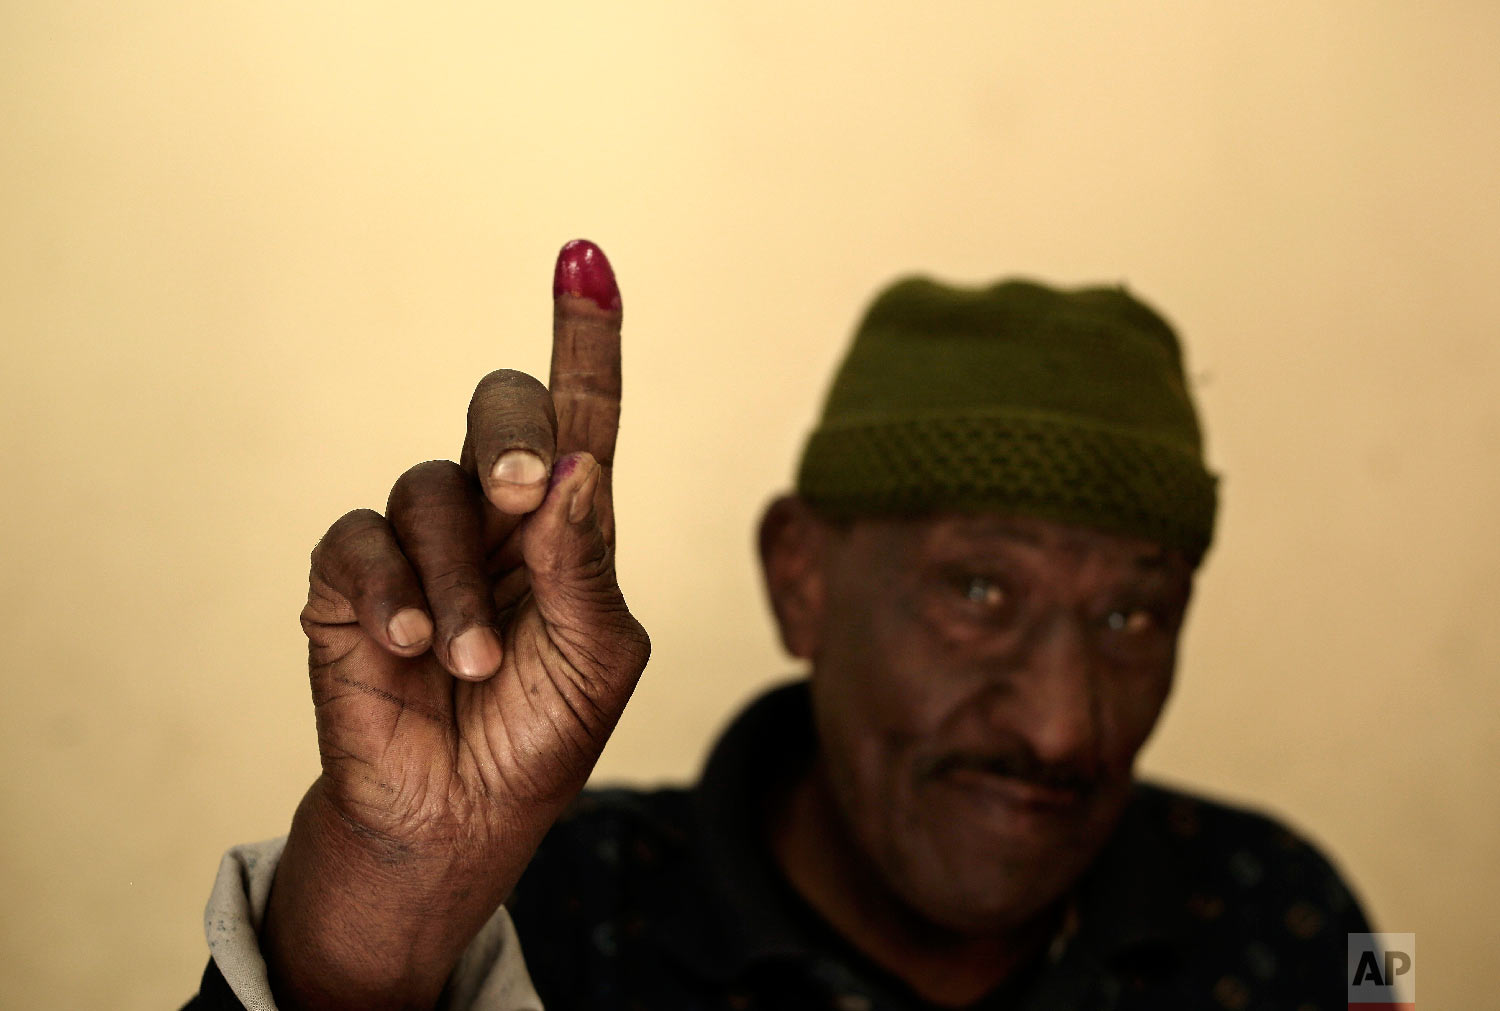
<point x="981" y="687"/>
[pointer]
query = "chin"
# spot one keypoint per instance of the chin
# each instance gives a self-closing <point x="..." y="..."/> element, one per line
<point x="974" y="867"/>
<point x="982" y="896"/>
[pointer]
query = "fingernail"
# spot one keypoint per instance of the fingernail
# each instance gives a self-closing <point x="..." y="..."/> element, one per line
<point x="475" y="652"/>
<point x="408" y="627"/>
<point x="519" y="467"/>
<point x="583" y="498"/>
<point x="583" y="269"/>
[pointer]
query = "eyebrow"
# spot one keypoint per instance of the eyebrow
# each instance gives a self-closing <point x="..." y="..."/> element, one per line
<point x="1158" y="559"/>
<point x="999" y="529"/>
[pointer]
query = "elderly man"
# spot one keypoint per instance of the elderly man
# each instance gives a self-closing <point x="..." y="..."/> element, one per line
<point x="986" y="565"/>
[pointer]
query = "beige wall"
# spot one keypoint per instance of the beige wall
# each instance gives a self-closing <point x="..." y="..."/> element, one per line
<point x="253" y="257"/>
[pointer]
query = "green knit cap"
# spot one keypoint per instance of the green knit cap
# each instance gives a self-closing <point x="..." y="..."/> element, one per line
<point x="1017" y="398"/>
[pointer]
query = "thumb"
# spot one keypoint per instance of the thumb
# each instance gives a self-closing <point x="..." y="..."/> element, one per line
<point x="571" y="567"/>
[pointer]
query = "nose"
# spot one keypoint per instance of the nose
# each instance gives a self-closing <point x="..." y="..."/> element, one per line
<point x="1058" y="689"/>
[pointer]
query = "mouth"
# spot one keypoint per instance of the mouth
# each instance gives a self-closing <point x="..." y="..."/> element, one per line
<point x="1016" y="792"/>
<point x="1040" y="793"/>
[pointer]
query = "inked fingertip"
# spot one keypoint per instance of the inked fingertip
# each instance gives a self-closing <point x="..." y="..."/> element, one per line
<point x="584" y="270"/>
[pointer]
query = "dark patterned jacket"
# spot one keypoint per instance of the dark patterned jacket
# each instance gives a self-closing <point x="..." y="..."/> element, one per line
<point x="668" y="900"/>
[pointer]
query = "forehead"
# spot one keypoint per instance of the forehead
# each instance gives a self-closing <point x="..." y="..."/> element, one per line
<point x="976" y="535"/>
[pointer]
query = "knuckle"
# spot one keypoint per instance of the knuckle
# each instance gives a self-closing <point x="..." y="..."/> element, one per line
<point x="526" y="430"/>
<point x="424" y="483"/>
<point x="378" y="589"/>
<point x="515" y="403"/>
<point x="345" y="529"/>
<point x="506" y="382"/>
<point x="458" y="579"/>
<point x="354" y="521"/>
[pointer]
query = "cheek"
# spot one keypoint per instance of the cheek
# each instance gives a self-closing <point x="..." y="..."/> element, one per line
<point x="876" y="697"/>
<point x="1132" y="706"/>
<point x="887" y="678"/>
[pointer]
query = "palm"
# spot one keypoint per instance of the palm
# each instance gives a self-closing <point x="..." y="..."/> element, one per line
<point x="412" y="750"/>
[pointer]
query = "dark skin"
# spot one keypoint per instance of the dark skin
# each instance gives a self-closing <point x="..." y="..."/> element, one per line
<point x="470" y="653"/>
<point x="981" y="687"/>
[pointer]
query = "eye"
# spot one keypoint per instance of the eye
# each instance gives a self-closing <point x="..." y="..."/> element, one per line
<point x="985" y="592"/>
<point x="1137" y="621"/>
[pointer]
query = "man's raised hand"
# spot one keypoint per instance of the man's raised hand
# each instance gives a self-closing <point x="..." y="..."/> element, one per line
<point x="470" y="653"/>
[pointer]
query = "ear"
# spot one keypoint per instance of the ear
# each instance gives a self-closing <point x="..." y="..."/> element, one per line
<point x="794" y="543"/>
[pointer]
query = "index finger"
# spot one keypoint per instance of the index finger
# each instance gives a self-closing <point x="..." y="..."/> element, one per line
<point x="585" y="381"/>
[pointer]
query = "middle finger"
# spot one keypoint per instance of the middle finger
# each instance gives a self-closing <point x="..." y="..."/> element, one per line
<point x="438" y="518"/>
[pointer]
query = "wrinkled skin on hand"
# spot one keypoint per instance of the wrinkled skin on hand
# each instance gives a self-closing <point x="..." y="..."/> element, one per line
<point x="470" y="654"/>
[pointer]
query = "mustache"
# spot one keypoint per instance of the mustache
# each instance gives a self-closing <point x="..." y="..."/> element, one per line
<point x="1019" y="763"/>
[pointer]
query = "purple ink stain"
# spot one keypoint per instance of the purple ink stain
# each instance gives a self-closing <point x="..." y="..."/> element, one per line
<point x="583" y="270"/>
<point x="562" y="468"/>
